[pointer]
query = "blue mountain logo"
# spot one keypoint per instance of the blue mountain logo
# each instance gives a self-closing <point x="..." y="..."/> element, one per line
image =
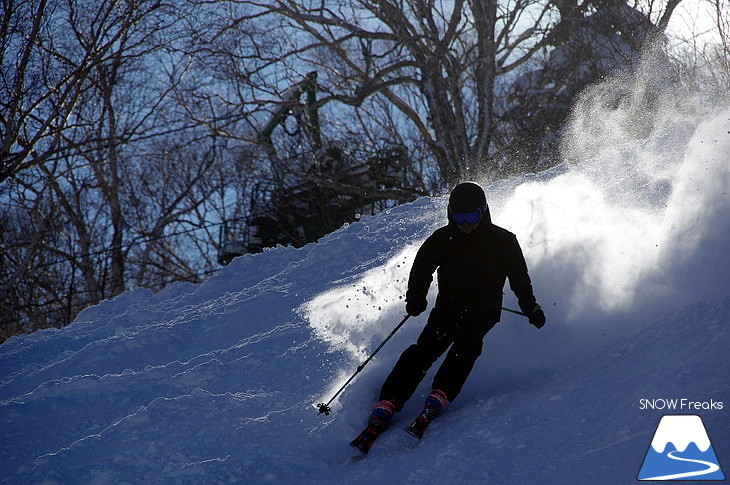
<point x="680" y="450"/>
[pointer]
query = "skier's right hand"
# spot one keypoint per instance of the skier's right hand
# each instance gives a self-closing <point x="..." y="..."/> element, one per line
<point x="415" y="305"/>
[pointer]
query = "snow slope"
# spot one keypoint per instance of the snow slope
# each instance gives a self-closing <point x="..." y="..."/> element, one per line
<point x="217" y="382"/>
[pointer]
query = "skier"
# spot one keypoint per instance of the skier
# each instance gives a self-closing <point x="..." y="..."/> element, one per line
<point x="473" y="257"/>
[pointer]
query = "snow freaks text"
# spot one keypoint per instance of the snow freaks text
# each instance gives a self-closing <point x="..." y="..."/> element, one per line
<point x="680" y="404"/>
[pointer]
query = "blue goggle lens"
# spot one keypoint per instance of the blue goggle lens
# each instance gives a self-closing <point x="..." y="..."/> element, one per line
<point x="467" y="217"/>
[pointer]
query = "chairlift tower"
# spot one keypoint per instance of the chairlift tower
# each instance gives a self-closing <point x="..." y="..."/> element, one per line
<point x="332" y="191"/>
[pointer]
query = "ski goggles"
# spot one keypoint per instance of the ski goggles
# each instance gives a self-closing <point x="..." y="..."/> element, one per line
<point x="466" y="217"/>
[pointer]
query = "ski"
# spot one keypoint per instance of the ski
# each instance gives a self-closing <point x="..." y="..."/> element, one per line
<point x="418" y="426"/>
<point x="365" y="440"/>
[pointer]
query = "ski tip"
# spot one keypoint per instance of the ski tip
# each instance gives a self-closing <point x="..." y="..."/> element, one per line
<point x="413" y="432"/>
<point x="359" y="447"/>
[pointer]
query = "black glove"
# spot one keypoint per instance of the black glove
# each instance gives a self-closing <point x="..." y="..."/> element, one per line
<point x="537" y="317"/>
<point x="415" y="305"/>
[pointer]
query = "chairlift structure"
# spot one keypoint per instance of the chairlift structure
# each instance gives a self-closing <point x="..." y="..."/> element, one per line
<point x="299" y="207"/>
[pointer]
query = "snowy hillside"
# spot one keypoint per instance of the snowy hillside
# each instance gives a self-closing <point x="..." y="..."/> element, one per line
<point x="217" y="382"/>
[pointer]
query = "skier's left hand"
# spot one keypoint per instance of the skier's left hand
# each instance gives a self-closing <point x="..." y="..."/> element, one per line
<point x="537" y="317"/>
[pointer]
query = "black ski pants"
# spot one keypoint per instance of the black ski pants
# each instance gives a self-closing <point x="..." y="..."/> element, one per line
<point x="460" y="327"/>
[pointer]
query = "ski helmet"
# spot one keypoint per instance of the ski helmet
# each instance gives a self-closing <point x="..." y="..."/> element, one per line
<point x="468" y="197"/>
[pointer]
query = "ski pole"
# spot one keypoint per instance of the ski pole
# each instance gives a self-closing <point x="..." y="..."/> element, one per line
<point x="325" y="408"/>
<point x="514" y="311"/>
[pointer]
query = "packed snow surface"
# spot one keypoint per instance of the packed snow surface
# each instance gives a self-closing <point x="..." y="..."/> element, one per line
<point x="627" y="244"/>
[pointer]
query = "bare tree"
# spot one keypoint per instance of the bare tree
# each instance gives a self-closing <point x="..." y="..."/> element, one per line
<point x="721" y="10"/>
<point x="109" y="181"/>
<point x="129" y="130"/>
<point x="445" y="67"/>
<point x="45" y="69"/>
<point x="435" y="62"/>
<point x="700" y="48"/>
<point x="89" y="131"/>
<point x="32" y="288"/>
<point x="178" y="197"/>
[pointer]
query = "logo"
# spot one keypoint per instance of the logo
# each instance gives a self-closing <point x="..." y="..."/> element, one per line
<point x="680" y="450"/>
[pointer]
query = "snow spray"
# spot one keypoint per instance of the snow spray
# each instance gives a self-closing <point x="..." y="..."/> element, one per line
<point x="633" y="218"/>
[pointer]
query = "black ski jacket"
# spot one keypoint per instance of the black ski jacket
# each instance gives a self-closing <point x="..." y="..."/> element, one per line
<point x="472" y="269"/>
